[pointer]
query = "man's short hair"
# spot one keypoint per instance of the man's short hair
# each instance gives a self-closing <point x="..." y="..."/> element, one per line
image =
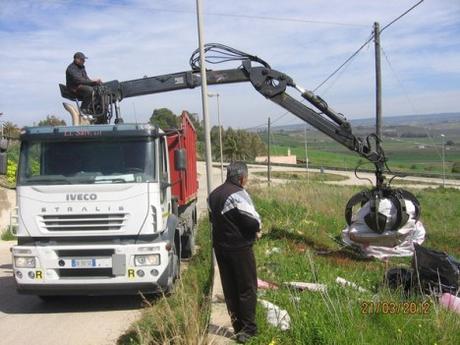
<point x="236" y="170"/>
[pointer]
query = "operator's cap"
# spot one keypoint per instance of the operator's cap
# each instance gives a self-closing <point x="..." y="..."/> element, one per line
<point x="79" y="55"/>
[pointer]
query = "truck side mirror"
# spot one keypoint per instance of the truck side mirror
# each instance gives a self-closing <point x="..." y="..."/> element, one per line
<point x="3" y="163"/>
<point x="180" y="159"/>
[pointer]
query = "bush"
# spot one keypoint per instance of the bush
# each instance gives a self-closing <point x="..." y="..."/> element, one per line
<point x="456" y="167"/>
<point x="8" y="234"/>
<point x="11" y="172"/>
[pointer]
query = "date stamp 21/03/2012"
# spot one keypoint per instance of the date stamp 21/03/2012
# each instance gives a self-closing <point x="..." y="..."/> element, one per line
<point x="379" y="307"/>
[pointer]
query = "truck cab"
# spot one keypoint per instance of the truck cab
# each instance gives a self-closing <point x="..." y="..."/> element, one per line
<point x="96" y="213"/>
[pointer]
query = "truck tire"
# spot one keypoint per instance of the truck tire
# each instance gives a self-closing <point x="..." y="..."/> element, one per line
<point x="175" y="270"/>
<point x="188" y="245"/>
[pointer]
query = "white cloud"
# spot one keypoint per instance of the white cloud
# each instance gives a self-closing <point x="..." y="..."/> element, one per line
<point x="136" y="38"/>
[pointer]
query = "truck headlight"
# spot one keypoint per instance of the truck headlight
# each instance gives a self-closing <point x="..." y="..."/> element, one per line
<point x="24" y="262"/>
<point x="147" y="260"/>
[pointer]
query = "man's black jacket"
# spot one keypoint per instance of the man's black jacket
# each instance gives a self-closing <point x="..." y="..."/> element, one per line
<point x="76" y="75"/>
<point x="233" y="217"/>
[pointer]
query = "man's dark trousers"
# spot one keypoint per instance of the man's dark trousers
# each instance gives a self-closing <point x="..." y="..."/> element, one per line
<point x="239" y="281"/>
<point x="85" y="93"/>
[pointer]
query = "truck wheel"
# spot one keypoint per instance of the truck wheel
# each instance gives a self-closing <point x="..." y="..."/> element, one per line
<point x="175" y="271"/>
<point x="188" y="246"/>
<point x="176" y="261"/>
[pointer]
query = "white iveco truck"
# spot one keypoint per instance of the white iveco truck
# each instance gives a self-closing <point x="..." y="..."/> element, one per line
<point x="104" y="209"/>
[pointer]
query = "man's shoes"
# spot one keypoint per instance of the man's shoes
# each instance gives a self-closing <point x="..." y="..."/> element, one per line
<point x="243" y="337"/>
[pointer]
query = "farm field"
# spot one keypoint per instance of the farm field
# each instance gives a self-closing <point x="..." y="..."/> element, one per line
<point x="423" y="154"/>
<point x="302" y="221"/>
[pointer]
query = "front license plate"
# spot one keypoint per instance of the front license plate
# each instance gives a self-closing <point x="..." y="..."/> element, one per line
<point x="83" y="263"/>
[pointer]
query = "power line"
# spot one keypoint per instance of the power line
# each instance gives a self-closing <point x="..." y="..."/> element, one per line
<point x="406" y="95"/>
<point x="217" y="14"/>
<point x="365" y="43"/>
<point x="402" y="15"/>
<point x="343" y="64"/>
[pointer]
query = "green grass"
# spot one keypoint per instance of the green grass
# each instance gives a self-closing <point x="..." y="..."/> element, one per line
<point x="404" y="154"/>
<point x="7" y="235"/>
<point x="181" y="318"/>
<point x="302" y="220"/>
<point x="302" y="175"/>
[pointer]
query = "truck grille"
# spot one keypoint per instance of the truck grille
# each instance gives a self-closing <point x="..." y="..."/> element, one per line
<point x="84" y="222"/>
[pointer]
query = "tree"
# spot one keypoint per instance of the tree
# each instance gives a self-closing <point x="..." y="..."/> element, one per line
<point x="456" y="167"/>
<point x="164" y="118"/>
<point x="51" y="120"/>
<point x="241" y="145"/>
<point x="198" y="126"/>
<point x="11" y="130"/>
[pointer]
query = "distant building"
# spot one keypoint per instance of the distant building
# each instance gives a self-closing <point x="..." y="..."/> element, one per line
<point x="289" y="159"/>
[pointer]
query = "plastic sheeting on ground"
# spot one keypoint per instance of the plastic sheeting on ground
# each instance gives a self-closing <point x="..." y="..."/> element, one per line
<point x="276" y="316"/>
<point x="307" y="286"/>
<point x="450" y="302"/>
<point x="262" y="284"/>
<point x="389" y="243"/>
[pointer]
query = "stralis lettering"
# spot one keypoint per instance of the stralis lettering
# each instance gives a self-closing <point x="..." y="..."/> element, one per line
<point x="82" y="209"/>
<point x="80" y="197"/>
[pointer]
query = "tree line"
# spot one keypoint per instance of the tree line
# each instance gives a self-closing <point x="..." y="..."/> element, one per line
<point x="237" y="144"/>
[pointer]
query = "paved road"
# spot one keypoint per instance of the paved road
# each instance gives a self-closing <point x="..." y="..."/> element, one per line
<point x="410" y="181"/>
<point x="26" y="320"/>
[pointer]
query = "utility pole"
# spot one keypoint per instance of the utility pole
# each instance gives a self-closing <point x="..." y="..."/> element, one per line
<point x="204" y="99"/>
<point x="306" y="156"/>
<point x="443" y="161"/>
<point x="268" y="155"/>
<point x="378" y="82"/>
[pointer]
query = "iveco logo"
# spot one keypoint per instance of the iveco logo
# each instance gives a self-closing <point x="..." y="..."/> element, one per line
<point x="81" y="197"/>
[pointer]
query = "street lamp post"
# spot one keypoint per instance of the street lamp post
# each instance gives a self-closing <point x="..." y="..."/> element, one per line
<point x="443" y="148"/>
<point x="220" y="135"/>
<point x="1" y="126"/>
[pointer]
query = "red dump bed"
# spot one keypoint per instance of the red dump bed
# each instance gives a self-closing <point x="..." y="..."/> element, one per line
<point x="184" y="183"/>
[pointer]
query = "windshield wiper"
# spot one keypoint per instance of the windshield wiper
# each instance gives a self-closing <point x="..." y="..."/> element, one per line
<point x="46" y="179"/>
<point x="115" y="180"/>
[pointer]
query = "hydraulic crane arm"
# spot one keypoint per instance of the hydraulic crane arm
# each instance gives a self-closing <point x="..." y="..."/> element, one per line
<point x="273" y="85"/>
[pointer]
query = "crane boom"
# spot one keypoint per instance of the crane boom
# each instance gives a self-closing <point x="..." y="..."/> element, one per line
<point x="271" y="84"/>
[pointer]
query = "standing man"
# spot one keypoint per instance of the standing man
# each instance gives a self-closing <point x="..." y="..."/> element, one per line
<point x="235" y="226"/>
<point x="78" y="82"/>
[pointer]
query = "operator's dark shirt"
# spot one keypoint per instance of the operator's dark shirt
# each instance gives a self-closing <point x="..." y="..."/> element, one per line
<point x="233" y="216"/>
<point x="76" y="75"/>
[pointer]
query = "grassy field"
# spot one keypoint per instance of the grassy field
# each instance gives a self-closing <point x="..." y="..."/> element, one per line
<point x="181" y="318"/>
<point x="404" y="154"/>
<point x="301" y="175"/>
<point x="302" y="220"/>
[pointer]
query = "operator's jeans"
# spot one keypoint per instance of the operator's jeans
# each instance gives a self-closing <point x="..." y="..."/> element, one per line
<point x="239" y="281"/>
<point x="84" y="93"/>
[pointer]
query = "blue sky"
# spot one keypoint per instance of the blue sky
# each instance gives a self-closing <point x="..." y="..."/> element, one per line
<point x="305" y="39"/>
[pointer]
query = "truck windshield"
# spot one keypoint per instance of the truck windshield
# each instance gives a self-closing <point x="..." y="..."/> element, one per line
<point x="121" y="161"/>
